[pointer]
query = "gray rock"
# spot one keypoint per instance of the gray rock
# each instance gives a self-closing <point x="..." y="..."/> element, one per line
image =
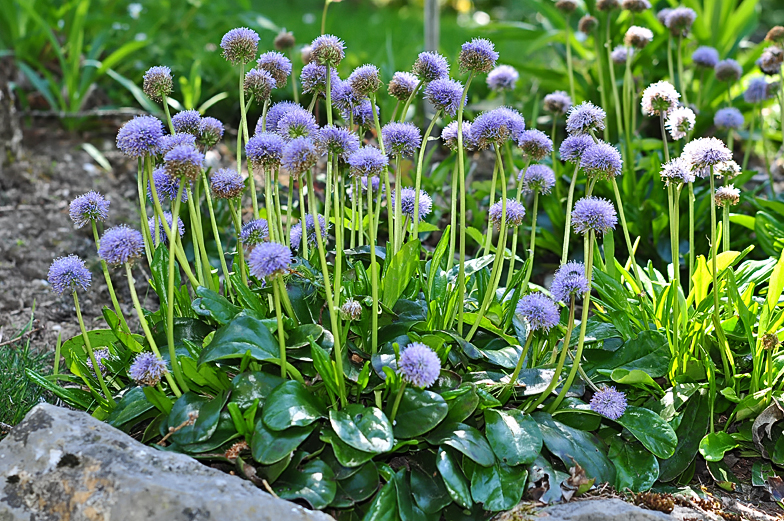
<point x="60" y="465"/>
<point x="600" y="510"/>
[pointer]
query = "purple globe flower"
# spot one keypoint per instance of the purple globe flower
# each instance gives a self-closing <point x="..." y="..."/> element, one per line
<point x="351" y="310"/>
<point x="727" y="168"/>
<point x="162" y="237"/>
<point x="728" y="70"/>
<point x="299" y="155"/>
<point x="770" y="60"/>
<point x="375" y="184"/>
<point x="477" y="56"/>
<point x="187" y="122"/>
<point x="601" y="160"/>
<point x="449" y="136"/>
<point x="362" y="114"/>
<point x="275" y="113"/>
<point x="573" y="147"/>
<point x="677" y="170"/>
<point x="593" y="214"/>
<point x="295" y="233"/>
<point x="100" y="355"/>
<point x="364" y="80"/>
<point x="430" y="66"/>
<point x="727" y="196"/>
<point x="336" y="140"/>
<point x="570" y="281"/>
<point x="538" y="178"/>
<point x="680" y="122"/>
<point x="638" y="37"/>
<point x="240" y="45"/>
<point x="68" y="274"/>
<point x="497" y="126"/>
<point x="659" y="98"/>
<point x="210" y="132"/>
<point x="585" y="118"/>
<point x="705" y="152"/>
<point x="88" y="208"/>
<point x="609" y="403"/>
<point x="254" y="232"/>
<point x="367" y="161"/>
<point x="269" y="259"/>
<point x="635" y="6"/>
<point x="515" y="213"/>
<point x="503" y="77"/>
<point x="184" y="161"/>
<point x="297" y="123"/>
<point x="539" y="312"/>
<point x="343" y="98"/>
<point x="419" y="365"/>
<point x="407" y="203"/>
<point x="226" y="183"/>
<point x="402" y="85"/>
<point x="140" y="136"/>
<point x="620" y="54"/>
<point x="535" y="144"/>
<point x="158" y="82"/>
<point x="757" y="90"/>
<point x="265" y="150"/>
<point x="705" y="57"/>
<point x="166" y="187"/>
<point x="259" y="84"/>
<point x="680" y="20"/>
<point x="327" y="50"/>
<point x="147" y="369"/>
<point x="170" y="141"/>
<point x="445" y="94"/>
<point x="277" y="65"/>
<point x="314" y="79"/>
<point x="557" y="103"/>
<point x="121" y="244"/>
<point x="401" y="139"/>
<point x="728" y="118"/>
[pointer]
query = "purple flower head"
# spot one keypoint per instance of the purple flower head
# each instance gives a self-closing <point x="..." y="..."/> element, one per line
<point x="430" y="66"/>
<point x="297" y="122"/>
<point x="728" y="70"/>
<point x="364" y="80"/>
<point x="620" y="54"/>
<point x="284" y="40"/>
<point x="327" y="50"/>
<point x="158" y="82"/>
<point x="240" y="45"/>
<point x="445" y="94"/>
<point x="362" y="114"/>
<point x="728" y="118"/>
<point x="478" y="55"/>
<point x="265" y="150"/>
<point x="705" y="57"/>
<point x="538" y="178"/>
<point x="572" y="147"/>
<point x="100" y="356"/>
<point x="187" y="122"/>
<point x="515" y="213"/>
<point x="680" y="122"/>
<point x="299" y="155"/>
<point x="635" y="6"/>
<point x="680" y="20"/>
<point x="677" y="170"/>
<point x="704" y="152"/>
<point x="407" y="202"/>
<point x="557" y="103"/>
<point x="162" y="237"/>
<point x="449" y="136"/>
<point x="226" y="183"/>
<point x="584" y="118"/>
<point x="770" y="60"/>
<point x="497" y="126"/>
<point x="275" y="113"/>
<point x="210" y="132"/>
<point x="727" y="196"/>
<point x="503" y="77"/>
<point x="659" y="98"/>
<point x="367" y="161"/>
<point x="343" y="98"/>
<point x="336" y="140"/>
<point x="184" y="161"/>
<point x="254" y="232"/>
<point x="121" y="244"/>
<point x="166" y="186"/>
<point x="140" y="136"/>
<point x="638" y="37"/>
<point x="147" y="369"/>
<point x="88" y="208"/>
<point x="269" y="259"/>
<point x="601" y="160"/>
<point x="67" y="274"/>
<point x="535" y="144"/>
<point x="314" y="79"/>
<point x="277" y="65"/>
<point x="259" y="84"/>
<point x="351" y="310"/>
<point x="170" y="141"/>
<point x="569" y="281"/>
<point x="539" y="312"/>
<point x="727" y="168"/>
<point x="295" y="233"/>
<point x="609" y="403"/>
<point x="401" y="139"/>
<point x="419" y="365"/>
<point x="593" y="214"/>
<point x="757" y="91"/>
<point x="375" y="184"/>
<point x="402" y="85"/>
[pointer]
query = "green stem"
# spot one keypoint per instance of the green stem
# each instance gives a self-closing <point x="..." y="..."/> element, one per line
<point x="396" y="405"/>
<point x="569" y="60"/>
<point x="602" y="89"/>
<point x="91" y="354"/>
<point x="509" y="388"/>
<point x="725" y="229"/>
<point x="626" y="236"/>
<point x="199" y="253"/>
<point x="750" y="140"/>
<point x="681" y="80"/>
<point x="303" y="219"/>
<point x="461" y="277"/>
<point x="530" y="267"/>
<point x="165" y="101"/>
<point x="324" y="24"/>
<point x="279" y="316"/>
<point x="328" y="91"/>
<point x="664" y="138"/>
<point x="489" y="235"/>
<point x="450" y="261"/>
<point x="568" y="225"/>
<point x="670" y="67"/>
<point x="691" y="235"/>
<point x="237" y="219"/>
<point x="216" y="234"/>
<point x="398" y="211"/>
<point x="173" y="240"/>
<point x="420" y="162"/>
<point x="109" y="285"/>
<point x="611" y="66"/>
<point x="387" y="186"/>
<point x="409" y="100"/>
<point x="141" y="178"/>
<point x="373" y="271"/>
<point x="675" y="285"/>
<point x="561" y="359"/>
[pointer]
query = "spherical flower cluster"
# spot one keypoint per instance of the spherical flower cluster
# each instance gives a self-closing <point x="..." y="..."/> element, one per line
<point x="728" y="70"/>
<point x="367" y="161"/>
<point x="770" y="60"/>
<point x="566" y="6"/>
<point x="419" y="365"/>
<point x="497" y="126"/>
<point x="68" y="274"/>
<point x="587" y="24"/>
<point x="535" y="144"/>
<point x="227" y="183"/>
<point x="254" y="232"/>
<point x="240" y="45"/>
<point x="584" y="118"/>
<point x="147" y="369"/>
<point x="729" y="169"/>
<point x="277" y="65"/>
<point x="375" y="184"/>
<point x="445" y="94"/>
<point x="401" y="139"/>
<point x="299" y="155"/>
<point x="620" y="54"/>
<point x="408" y="200"/>
<point x="170" y="141"/>
<point x="503" y="77"/>
<point x="638" y="37"/>
<point x="515" y="213"/>
<point x="609" y="403"/>
<point x="728" y="118"/>
<point x="364" y="80"/>
<point x="593" y="214"/>
<point x="680" y="122"/>
<point x="705" y="57"/>
<point x="88" y="208"/>
<point x="297" y="122"/>
<point x="284" y="40"/>
<point x="727" y="196"/>
<point x="314" y="79"/>
<point x="570" y="281"/>
<point x="295" y="234"/>
<point x="269" y="259"/>
<point x="100" y="355"/>
<point x="573" y="147"/>
<point x="775" y="34"/>
<point x="331" y="139"/>
<point x="478" y="55"/>
<point x="121" y="244"/>
<point x="140" y="136"/>
<point x="635" y="6"/>
<point x="187" y="121"/>
<point x="659" y="98"/>
<point x="362" y="114"/>
<point x="677" y="170"/>
<point x="757" y="91"/>
<point x="662" y="15"/>
<point x="557" y="103"/>
<point x="705" y="152"/>
<point x="327" y="50"/>
<point x="601" y="160"/>
<point x="680" y="20"/>
<point x="607" y="5"/>
<point x="351" y="310"/>
<point x="306" y="54"/>
<point x="539" y="312"/>
<point x="184" y="161"/>
<point x="158" y="82"/>
<point x="343" y="98"/>
<point x="259" y="84"/>
<point x="161" y="236"/>
<point x="166" y="186"/>
<point x="538" y="178"/>
<point x="430" y="66"/>
<point x="275" y="113"/>
<point x="449" y="136"/>
<point x="210" y="132"/>
<point x="402" y="85"/>
<point x="265" y="150"/>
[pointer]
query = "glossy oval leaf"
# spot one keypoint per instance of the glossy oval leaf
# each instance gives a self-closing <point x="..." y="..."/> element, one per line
<point x="455" y="481"/>
<point x="466" y="439"/>
<point x="315" y="483"/>
<point x="206" y="411"/>
<point x="714" y="445"/>
<point x="268" y="446"/>
<point x="250" y="386"/>
<point x="693" y="426"/>
<point x="357" y="487"/>
<point x="419" y="412"/>
<point x="363" y="428"/>
<point x="384" y="505"/>
<point x="513" y="435"/>
<point x="291" y="404"/>
<point x="241" y="335"/>
<point x="345" y="454"/>
<point x="651" y="430"/>
<point x="635" y="467"/>
<point x="498" y="487"/>
<point x="428" y="488"/>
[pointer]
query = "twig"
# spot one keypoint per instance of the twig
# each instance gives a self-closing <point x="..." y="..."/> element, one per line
<point x="192" y="416"/>
<point x="4" y="427"/>
<point x="20" y="337"/>
<point x="268" y="487"/>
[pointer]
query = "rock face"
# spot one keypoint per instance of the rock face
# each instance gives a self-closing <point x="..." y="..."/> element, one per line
<point x="599" y="510"/>
<point x="61" y="465"/>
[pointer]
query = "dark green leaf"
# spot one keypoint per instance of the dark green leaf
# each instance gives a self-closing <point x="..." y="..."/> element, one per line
<point x="346" y="455"/>
<point x="714" y="445"/>
<point x="315" y="483"/>
<point x="291" y="404"/>
<point x="401" y="269"/>
<point x="357" y="487"/>
<point x="217" y="307"/>
<point x="466" y="439"/>
<point x="455" y="481"/>
<point x="724" y="477"/>
<point x="419" y="412"/>
<point x="653" y="432"/>
<point x="498" y="487"/>
<point x="364" y="428"/>
<point x="270" y="446"/>
<point x="760" y="472"/>
<point x="239" y="336"/>
<point x="250" y="386"/>
<point x="693" y="426"/>
<point x="428" y="488"/>
<point x="208" y="414"/>
<point x="133" y="404"/>
<point x="649" y="352"/>
<point x="384" y="506"/>
<point x="635" y="467"/>
<point x="462" y="403"/>
<point x="513" y="435"/>
<point x="157" y="398"/>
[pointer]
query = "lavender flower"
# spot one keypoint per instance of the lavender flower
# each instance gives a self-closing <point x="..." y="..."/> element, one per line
<point x="275" y="113"/>
<point x="535" y="144"/>
<point x="477" y="56"/>
<point x="327" y="50"/>
<point x="569" y="281"/>
<point x="503" y="77"/>
<point x="728" y="70"/>
<point x="680" y="20"/>
<point x="170" y="141"/>
<point x="557" y="103"/>
<point x="407" y="200"/>
<point x="573" y="147"/>
<point x="659" y="98"/>
<point x="402" y="85"/>
<point x="587" y="24"/>
<point x="336" y="140"/>
<point x="240" y="45"/>
<point x="727" y="196"/>
<point x="88" y="208"/>
<point x="375" y="184"/>
<point x="757" y="90"/>
<point x="728" y="118"/>
<point x="538" y="178"/>
<point x="277" y="65"/>
<point x="363" y="114"/>
<point x="445" y="94"/>
<point x="609" y="403"/>
<point x="638" y="37"/>
<point x="343" y="98"/>
<point x="314" y="79"/>
<point x="140" y="136"/>
<point x="497" y="126"/>
<point x="680" y="122"/>
<point x="364" y="80"/>
<point x="265" y="150"/>
<point x="254" y="232"/>
<point x="284" y="40"/>
<point x="147" y="369"/>
<point x="297" y="122"/>
<point x="100" y="355"/>
<point x="158" y="82"/>
<point x="121" y="244"/>
<point x="295" y="233"/>
<point x="607" y="5"/>
<point x="677" y="170"/>
<point x="166" y="186"/>
<point x="419" y="365"/>
<point x="515" y="213"/>
<point x="68" y="274"/>
<point x="775" y="35"/>
<point x="584" y="118"/>
<point x="620" y="54"/>
<point x="601" y="160"/>
<point x="704" y="152"/>
<point x="661" y="16"/>
<point x="770" y="60"/>
<point x="351" y="310"/>
<point x="367" y="161"/>
<point x="635" y="6"/>
<point x="539" y="312"/>
<point x="187" y="122"/>
<point x="259" y="84"/>
<point x="449" y="136"/>
<point x="269" y="259"/>
<point x="727" y="168"/>
<point x="566" y="6"/>
<point x="401" y="139"/>
<point x="226" y="183"/>
<point x="162" y="237"/>
<point x="299" y="155"/>
<point x="210" y="132"/>
<point x="430" y="66"/>
<point x="184" y="161"/>
<point x="593" y="214"/>
<point x="705" y="57"/>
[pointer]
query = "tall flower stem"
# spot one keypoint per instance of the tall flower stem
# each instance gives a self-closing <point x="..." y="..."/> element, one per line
<point x="461" y="278"/>
<point x="532" y="248"/>
<point x="398" y="211"/>
<point x="509" y="388"/>
<point x="109" y="285"/>
<point x="715" y="274"/>
<point x="665" y="148"/>
<point x="725" y="229"/>
<point x="218" y="243"/>
<point x="269" y="206"/>
<point x="173" y="240"/>
<point x="493" y="183"/>
<point x="628" y="104"/>
<point x="91" y="354"/>
<point x="398" y="399"/>
<point x="569" y="58"/>
<point x="602" y="88"/>
<point x="670" y="67"/>
<point x="294" y="92"/>
<point x="681" y="80"/>
<point x="339" y="229"/>
<point x="236" y="217"/>
<point x="354" y="212"/>
<point x="691" y="235"/>
<point x="561" y="359"/>
<point x="675" y="286"/>
<point x="289" y="207"/>
<point x="409" y="100"/>
<point x="626" y="236"/>
<point x="420" y="163"/>
<point x="141" y="181"/>
<point x="242" y="132"/>
<point x="373" y="272"/>
<point x="611" y="66"/>
<point x="510" y="271"/>
<point x="199" y="253"/>
<point x="568" y="225"/>
<point x="273" y="179"/>
<point x="302" y="219"/>
<point x="361" y="206"/>
<point x="750" y="140"/>
<point x="279" y="316"/>
<point x="450" y="261"/>
<point x="387" y="186"/>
